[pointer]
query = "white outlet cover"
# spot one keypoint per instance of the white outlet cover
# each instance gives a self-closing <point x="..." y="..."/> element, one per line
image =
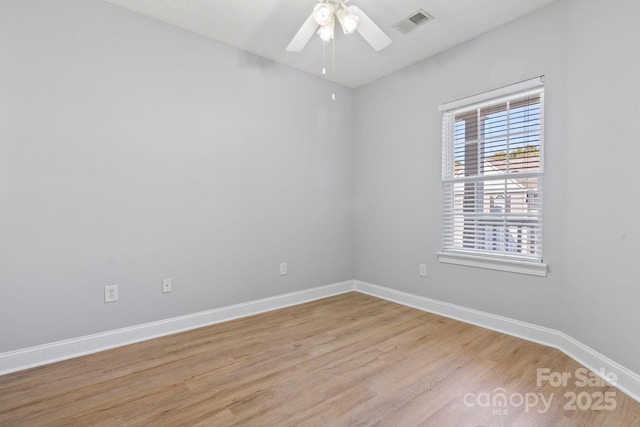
<point x="111" y="293"/>
<point x="167" y="285"/>
<point x="283" y="268"/>
<point x="423" y="270"/>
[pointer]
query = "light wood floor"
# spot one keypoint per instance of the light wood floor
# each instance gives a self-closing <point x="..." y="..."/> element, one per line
<point x="348" y="360"/>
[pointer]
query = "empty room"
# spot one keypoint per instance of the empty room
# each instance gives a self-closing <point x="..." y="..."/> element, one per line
<point x="319" y="213"/>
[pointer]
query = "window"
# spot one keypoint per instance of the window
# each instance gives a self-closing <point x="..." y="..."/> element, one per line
<point x="492" y="169"/>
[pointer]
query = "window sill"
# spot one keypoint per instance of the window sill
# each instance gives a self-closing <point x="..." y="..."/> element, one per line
<point x="494" y="263"/>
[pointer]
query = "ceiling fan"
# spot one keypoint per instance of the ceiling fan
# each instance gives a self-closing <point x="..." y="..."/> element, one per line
<point x="323" y="20"/>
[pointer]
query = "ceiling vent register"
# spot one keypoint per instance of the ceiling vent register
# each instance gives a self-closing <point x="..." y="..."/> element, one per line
<point x="413" y="21"/>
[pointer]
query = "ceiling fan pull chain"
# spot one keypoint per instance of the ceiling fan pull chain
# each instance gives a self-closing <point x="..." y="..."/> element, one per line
<point x="333" y="64"/>
<point x="324" y="61"/>
<point x="333" y="56"/>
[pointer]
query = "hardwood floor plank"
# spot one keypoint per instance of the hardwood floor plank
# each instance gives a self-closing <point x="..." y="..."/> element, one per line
<point x="348" y="360"/>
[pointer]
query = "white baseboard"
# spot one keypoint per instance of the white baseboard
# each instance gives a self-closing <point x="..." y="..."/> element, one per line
<point x="627" y="381"/>
<point x="30" y="357"/>
<point x="12" y="361"/>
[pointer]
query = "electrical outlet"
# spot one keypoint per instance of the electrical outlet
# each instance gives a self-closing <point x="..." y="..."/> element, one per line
<point x="111" y="293"/>
<point x="423" y="270"/>
<point x="283" y="268"/>
<point x="166" y="285"/>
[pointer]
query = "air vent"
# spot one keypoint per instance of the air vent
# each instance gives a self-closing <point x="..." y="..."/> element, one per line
<point x="413" y="21"/>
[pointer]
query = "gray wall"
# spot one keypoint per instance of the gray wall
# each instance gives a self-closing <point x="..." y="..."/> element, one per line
<point x="131" y="151"/>
<point x="588" y="52"/>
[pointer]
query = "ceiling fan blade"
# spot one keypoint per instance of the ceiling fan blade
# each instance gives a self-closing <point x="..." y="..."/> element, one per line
<point x="369" y="30"/>
<point x="303" y="35"/>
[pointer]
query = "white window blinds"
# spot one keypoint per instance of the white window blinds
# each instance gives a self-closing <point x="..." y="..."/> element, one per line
<point x="492" y="168"/>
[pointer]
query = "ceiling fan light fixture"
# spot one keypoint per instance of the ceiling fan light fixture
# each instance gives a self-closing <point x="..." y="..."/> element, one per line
<point x="322" y="21"/>
<point x="326" y="31"/>
<point x="348" y="20"/>
<point x="323" y="13"/>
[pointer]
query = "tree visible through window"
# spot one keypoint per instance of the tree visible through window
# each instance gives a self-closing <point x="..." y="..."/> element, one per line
<point x="492" y="176"/>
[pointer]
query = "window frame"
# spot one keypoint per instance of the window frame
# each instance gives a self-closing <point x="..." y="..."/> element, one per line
<point x="488" y="259"/>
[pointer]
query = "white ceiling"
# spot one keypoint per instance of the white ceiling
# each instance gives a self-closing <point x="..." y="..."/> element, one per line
<point x="265" y="27"/>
